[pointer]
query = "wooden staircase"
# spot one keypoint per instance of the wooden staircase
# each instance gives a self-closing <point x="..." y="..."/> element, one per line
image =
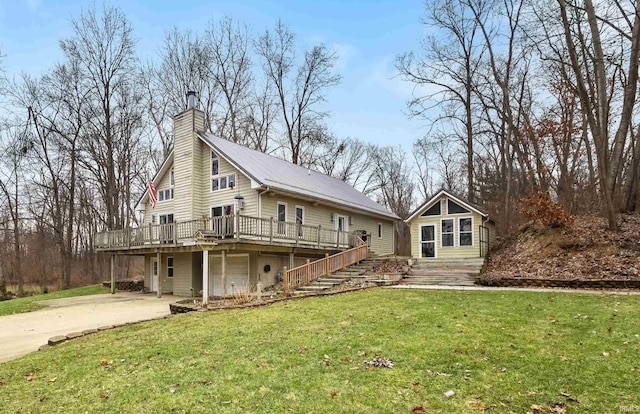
<point x="354" y="273"/>
<point x="447" y="272"/>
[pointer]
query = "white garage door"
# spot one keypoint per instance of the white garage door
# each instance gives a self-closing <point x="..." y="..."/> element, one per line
<point x="237" y="274"/>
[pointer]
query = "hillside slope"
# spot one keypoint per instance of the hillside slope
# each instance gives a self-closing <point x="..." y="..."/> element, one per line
<point x="586" y="250"/>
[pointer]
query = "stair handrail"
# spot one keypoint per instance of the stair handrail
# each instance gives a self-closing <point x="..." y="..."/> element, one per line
<point x="312" y="271"/>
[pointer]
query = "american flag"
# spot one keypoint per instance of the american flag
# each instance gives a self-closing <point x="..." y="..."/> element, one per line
<point x="153" y="197"/>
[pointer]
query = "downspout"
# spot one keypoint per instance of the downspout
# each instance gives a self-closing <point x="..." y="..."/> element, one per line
<point x="260" y="201"/>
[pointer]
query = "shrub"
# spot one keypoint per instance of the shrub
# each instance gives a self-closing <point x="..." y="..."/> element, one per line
<point x="540" y="208"/>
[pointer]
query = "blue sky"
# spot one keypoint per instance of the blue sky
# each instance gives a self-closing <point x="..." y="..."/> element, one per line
<point x="369" y="103"/>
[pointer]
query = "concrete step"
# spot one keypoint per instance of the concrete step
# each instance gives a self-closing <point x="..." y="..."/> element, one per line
<point x="314" y="288"/>
<point x="440" y="283"/>
<point x="432" y="272"/>
<point x="446" y="266"/>
<point x="334" y="281"/>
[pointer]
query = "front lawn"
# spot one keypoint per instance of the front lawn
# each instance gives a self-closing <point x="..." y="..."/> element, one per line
<point x="29" y="303"/>
<point x="497" y="351"/>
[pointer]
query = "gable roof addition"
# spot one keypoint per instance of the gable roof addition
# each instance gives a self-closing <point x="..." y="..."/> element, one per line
<point x="436" y="197"/>
<point x="275" y="173"/>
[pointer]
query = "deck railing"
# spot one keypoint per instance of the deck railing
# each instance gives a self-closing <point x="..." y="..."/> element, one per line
<point x="312" y="271"/>
<point x="236" y="226"/>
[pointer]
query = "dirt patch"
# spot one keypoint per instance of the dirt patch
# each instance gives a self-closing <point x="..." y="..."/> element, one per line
<point x="586" y="250"/>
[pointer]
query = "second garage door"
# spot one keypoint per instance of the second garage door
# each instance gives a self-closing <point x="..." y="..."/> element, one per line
<point x="237" y="274"/>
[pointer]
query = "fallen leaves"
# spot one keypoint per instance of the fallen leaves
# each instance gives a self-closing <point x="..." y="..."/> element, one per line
<point x="380" y="362"/>
<point x="30" y="376"/>
<point x="419" y="410"/>
<point x="334" y="394"/>
<point x="449" y="393"/>
<point x="105" y="362"/>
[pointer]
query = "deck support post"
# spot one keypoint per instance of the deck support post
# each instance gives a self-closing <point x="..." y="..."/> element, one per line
<point x="159" y="287"/>
<point x="113" y="274"/>
<point x="224" y="273"/>
<point x="291" y="262"/>
<point x="205" y="277"/>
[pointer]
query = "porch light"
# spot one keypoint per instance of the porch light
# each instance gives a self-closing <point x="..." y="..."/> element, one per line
<point x="240" y="201"/>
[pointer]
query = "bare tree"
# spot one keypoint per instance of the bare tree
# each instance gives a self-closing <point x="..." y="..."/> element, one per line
<point x="594" y="74"/>
<point x="299" y="90"/>
<point x="13" y="149"/>
<point x="447" y="67"/>
<point x="348" y="159"/>
<point x="104" y="47"/>
<point x="394" y="188"/>
<point x="227" y="46"/>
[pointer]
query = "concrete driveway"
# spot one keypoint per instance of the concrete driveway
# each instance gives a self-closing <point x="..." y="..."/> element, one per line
<point x="24" y="333"/>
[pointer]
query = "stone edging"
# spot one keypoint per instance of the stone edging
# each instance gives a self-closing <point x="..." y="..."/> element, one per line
<point x="56" y="340"/>
<point x="185" y="307"/>
<point x="127" y="285"/>
<point x="554" y="283"/>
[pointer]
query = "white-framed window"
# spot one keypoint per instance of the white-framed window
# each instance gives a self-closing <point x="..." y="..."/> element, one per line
<point x="379" y="230"/>
<point x="215" y="164"/>
<point x="300" y="220"/>
<point x="465" y="232"/>
<point x="282" y="217"/>
<point x="166" y="218"/>
<point x="447" y="233"/>
<point x="169" y="266"/>
<point x="172" y="180"/>
<point x="223" y="182"/>
<point x="153" y="219"/>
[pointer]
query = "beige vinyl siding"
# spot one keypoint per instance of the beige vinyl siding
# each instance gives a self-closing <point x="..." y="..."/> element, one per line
<point x="455" y="251"/>
<point x="186" y="160"/>
<point x="162" y="207"/>
<point x="168" y="284"/>
<point x="226" y="196"/>
<point x="320" y="215"/>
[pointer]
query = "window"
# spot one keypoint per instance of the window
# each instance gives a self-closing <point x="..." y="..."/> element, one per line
<point x="215" y="164"/>
<point x="434" y="210"/>
<point x="379" y="230"/>
<point x="466" y="232"/>
<point x="300" y="220"/>
<point x="221" y="183"/>
<point x="164" y="195"/>
<point x="166" y="218"/>
<point x="171" y="179"/>
<point x="446" y="234"/>
<point x="282" y="218"/>
<point x="454" y="208"/>
<point x="169" y="266"/>
<point x="153" y="218"/>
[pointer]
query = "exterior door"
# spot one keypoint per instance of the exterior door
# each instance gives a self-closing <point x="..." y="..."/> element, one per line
<point x="154" y="275"/>
<point x="224" y="225"/>
<point x="342" y="225"/>
<point x="428" y="240"/>
<point x="166" y="228"/>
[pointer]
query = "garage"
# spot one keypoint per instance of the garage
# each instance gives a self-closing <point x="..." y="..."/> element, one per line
<point x="237" y="274"/>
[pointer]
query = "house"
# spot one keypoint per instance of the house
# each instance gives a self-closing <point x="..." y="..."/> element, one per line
<point x="449" y="227"/>
<point x="227" y="217"/>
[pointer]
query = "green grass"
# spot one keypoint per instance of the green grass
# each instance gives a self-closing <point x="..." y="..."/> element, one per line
<point x="29" y="303"/>
<point x="507" y="351"/>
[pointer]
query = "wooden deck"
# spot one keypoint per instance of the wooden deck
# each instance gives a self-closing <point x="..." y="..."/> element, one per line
<point x="236" y="227"/>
